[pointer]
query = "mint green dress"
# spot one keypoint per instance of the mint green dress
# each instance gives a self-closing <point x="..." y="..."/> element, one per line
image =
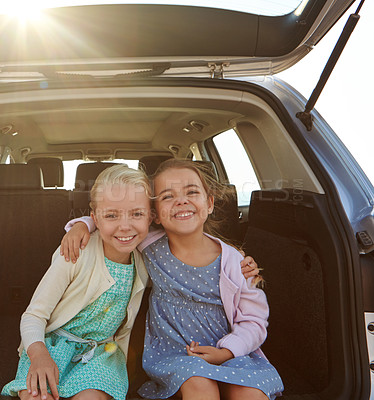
<point x="100" y="320"/>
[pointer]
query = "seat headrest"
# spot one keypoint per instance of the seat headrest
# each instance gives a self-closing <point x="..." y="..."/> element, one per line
<point x="149" y="164"/>
<point x="20" y="176"/>
<point x="87" y="173"/>
<point x="52" y="169"/>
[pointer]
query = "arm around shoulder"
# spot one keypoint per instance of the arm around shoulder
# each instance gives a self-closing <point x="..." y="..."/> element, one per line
<point x="85" y="219"/>
<point x="76" y="238"/>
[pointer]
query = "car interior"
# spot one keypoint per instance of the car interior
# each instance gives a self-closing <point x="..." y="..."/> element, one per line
<point x="286" y="225"/>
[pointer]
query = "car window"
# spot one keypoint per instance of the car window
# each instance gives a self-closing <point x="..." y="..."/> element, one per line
<point x="70" y="168"/>
<point x="237" y="165"/>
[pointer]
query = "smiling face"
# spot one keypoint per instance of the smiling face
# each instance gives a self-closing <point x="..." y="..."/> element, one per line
<point x="182" y="204"/>
<point x="122" y="215"/>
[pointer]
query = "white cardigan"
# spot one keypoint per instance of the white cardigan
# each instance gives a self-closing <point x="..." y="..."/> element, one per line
<point x="67" y="288"/>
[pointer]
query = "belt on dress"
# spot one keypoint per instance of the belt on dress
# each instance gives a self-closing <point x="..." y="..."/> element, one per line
<point x="84" y="357"/>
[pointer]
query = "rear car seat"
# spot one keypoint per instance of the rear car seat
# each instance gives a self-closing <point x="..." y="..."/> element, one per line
<point x="32" y="221"/>
<point x="84" y="180"/>
<point x="149" y="164"/>
<point x="52" y="170"/>
<point x="226" y="213"/>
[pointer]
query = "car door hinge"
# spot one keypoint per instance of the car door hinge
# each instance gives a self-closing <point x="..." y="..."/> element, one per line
<point x="216" y="70"/>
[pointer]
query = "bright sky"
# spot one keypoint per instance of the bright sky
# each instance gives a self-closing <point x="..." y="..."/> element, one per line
<point x="347" y="101"/>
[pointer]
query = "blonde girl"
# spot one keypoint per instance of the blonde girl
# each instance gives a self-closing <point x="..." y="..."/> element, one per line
<point x="74" y="341"/>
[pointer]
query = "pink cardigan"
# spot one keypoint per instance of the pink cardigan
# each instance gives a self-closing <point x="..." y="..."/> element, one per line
<point x="246" y="306"/>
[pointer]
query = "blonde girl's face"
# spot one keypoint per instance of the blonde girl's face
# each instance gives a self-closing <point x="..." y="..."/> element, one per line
<point x="122" y="215"/>
<point x="182" y="204"/>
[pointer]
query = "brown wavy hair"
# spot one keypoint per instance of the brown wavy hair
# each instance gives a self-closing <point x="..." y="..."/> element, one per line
<point x="220" y="192"/>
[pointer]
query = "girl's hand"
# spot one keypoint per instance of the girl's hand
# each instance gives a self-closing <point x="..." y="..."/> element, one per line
<point x="209" y="353"/>
<point x="77" y="238"/>
<point x="42" y="370"/>
<point x="249" y="267"/>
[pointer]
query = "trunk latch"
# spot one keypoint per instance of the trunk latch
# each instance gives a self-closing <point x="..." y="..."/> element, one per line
<point x="216" y="70"/>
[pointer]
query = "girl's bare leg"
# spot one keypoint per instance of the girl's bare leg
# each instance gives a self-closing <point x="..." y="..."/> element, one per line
<point x="199" y="388"/>
<point x="236" y="392"/>
<point x="24" y="395"/>
<point x="91" y="394"/>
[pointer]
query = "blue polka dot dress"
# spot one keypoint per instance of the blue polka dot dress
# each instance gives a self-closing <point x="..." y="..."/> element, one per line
<point x="185" y="305"/>
<point x="106" y="371"/>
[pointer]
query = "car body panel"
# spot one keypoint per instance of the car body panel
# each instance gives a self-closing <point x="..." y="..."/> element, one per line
<point x="355" y="190"/>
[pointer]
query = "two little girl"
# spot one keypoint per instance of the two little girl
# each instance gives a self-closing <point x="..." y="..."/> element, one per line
<point x="205" y="323"/>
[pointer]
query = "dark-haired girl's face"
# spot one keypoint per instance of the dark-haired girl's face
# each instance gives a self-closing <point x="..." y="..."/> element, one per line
<point x="182" y="204"/>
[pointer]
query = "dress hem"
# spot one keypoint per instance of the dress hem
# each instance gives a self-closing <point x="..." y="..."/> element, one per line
<point x="172" y="393"/>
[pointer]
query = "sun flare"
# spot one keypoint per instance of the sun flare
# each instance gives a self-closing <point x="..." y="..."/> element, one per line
<point x="23" y="10"/>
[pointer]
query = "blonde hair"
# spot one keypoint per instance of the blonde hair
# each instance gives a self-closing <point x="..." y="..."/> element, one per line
<point x="221" y="194"/>
<point x="119" y="174"/>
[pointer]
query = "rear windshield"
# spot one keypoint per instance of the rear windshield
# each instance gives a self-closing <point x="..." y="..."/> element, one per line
<point x="70" y="168"/>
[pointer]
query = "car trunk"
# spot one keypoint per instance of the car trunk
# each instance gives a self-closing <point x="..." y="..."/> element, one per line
<point x="296" y="229"/>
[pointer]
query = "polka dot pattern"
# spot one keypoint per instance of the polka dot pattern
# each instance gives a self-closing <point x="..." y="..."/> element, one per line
<point x="185" y="305"/>
<point x="106" y="371"/>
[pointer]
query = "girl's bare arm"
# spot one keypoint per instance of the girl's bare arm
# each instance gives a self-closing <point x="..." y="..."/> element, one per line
<point x="43" y="370"/>
<point x="74" y="240"/>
